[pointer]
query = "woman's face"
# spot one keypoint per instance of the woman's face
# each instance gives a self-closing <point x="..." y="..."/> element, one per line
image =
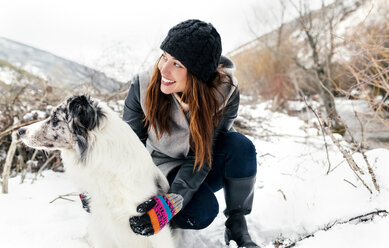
<point x="174" y="74"/>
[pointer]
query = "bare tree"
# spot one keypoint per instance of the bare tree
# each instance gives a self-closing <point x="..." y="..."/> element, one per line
<point x="317" y="28"/>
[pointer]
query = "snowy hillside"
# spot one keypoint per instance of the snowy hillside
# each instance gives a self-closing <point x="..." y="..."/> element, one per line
<point x="56" y="70"/>
<point x="294" y="196"/>
<point x="355" y="11"/>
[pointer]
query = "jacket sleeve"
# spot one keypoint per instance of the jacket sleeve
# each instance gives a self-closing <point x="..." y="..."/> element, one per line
<point x="133" y="113"/>
<point x="230" y="112"/>
<point x="187" y="181"/>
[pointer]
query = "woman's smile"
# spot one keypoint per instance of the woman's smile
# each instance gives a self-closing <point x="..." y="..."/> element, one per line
<point x="166" y="81"/>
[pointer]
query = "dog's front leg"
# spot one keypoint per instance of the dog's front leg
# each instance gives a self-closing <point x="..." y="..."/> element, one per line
<point x="99" y="233"/>
<point x="163" y="239"/>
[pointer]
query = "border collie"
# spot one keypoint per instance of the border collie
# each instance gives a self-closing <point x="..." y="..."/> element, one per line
<point x="104" y="158"/>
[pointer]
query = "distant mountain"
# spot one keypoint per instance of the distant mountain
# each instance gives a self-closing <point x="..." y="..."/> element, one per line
<point x="56" y="70"/>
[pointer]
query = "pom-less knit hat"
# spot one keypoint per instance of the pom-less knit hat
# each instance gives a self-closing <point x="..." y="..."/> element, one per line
<point x="197" y="45"/>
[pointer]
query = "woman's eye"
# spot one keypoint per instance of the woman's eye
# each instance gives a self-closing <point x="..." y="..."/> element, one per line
<point x="177" y="65"/>
<point x="164" y="57"/>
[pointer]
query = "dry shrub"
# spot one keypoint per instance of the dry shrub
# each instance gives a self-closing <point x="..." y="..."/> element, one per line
<point x="247" y="72"/>
<point x="265" y="72"/>
<point x="368" y="66"/>
<point x="25" y="94"/>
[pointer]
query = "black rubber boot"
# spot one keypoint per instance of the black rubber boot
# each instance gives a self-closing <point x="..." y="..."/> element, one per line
<point x="239" y="195"/>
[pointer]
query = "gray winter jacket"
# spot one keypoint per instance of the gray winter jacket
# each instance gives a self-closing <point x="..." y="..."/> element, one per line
<point x="171" y="151"/>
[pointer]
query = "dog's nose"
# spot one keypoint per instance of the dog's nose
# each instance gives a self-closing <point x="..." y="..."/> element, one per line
<point x="21" y="131"/>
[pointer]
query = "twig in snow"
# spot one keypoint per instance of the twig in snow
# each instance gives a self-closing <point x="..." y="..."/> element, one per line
<point x="267" y="154"/>
<point x="323" y="133"/>
<point x="349" y="182"/>
<point x="63" y="197"/>
<point x="336" y="166"/>
<point x="371" y="214"/>
<point x="279" y="190"/>
<point x="362" y="151"/>
<point x="360" y="218"/>
<point x="294" y="175"/>
<point x="42" y="168"/>
<point x="350" y="161"/>
<point x="371" y="172"/>
<point x="24" y="171"/>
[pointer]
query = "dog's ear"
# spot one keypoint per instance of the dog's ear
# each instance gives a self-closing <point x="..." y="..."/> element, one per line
<point x="84" y="115"/>
<point x="83" y="112"/>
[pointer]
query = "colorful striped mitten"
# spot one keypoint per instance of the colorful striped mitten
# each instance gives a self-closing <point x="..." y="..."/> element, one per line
<point x="158" y="212"/>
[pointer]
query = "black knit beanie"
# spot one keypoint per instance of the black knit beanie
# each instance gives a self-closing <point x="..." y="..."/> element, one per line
<point x="197" y="45"/>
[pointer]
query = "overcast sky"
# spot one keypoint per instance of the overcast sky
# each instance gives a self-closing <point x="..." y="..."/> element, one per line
<point x="81" y="30"/>
<point x="69" y="27"/>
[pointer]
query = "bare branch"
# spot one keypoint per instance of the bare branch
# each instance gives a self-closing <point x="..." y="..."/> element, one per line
<point x="350" y="161"/>
<point x="350" y="183"/>
<point x="42" y="168"/>
<point x="8" y="162"/>
<point x="358" y="219"/>
<point x="283" y="195"/>
<point x="63" y="197"/>
<point x="323" y="133"/>
<point x="14" y="128"/>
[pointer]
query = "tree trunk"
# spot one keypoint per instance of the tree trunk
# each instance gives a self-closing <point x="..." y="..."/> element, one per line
<point x="326" y="94"/>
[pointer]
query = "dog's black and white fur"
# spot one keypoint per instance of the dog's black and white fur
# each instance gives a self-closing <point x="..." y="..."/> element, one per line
<point x="105" y="158"/>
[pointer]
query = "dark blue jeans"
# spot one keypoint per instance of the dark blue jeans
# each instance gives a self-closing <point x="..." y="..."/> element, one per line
<point x="234" y="156"/>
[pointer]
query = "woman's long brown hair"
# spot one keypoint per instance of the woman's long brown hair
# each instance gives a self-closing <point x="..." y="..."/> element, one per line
<point x="204" y="108"/>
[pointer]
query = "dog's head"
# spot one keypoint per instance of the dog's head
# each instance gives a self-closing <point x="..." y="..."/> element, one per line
<point x="67" y="126"/>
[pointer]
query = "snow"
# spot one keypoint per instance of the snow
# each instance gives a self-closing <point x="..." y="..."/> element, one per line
<point x="34" y="70"/>
<point x="351" y="235"/>
<point x="294" y="196"/>
<point x="40" y="115"/>
<point x="28" y="219"/>
<point x="7" y="75"/>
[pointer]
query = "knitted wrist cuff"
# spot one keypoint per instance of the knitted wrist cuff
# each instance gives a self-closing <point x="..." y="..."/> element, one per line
<point x="163" y="211"/>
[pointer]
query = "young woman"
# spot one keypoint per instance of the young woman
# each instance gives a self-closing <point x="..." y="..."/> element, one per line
<point x="183" y="112"/>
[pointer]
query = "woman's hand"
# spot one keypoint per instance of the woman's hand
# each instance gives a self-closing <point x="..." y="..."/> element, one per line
<point x="158" y="211"/>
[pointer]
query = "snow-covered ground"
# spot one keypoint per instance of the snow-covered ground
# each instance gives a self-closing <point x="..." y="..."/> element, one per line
<point x="294" y="196"/>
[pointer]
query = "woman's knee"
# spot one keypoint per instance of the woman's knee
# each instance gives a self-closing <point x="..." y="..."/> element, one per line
<point x="236" y="143"/>
<point x="240" y="153"/>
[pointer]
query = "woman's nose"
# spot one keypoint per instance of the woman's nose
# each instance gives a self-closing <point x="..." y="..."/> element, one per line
<point x="165" y="69"/>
